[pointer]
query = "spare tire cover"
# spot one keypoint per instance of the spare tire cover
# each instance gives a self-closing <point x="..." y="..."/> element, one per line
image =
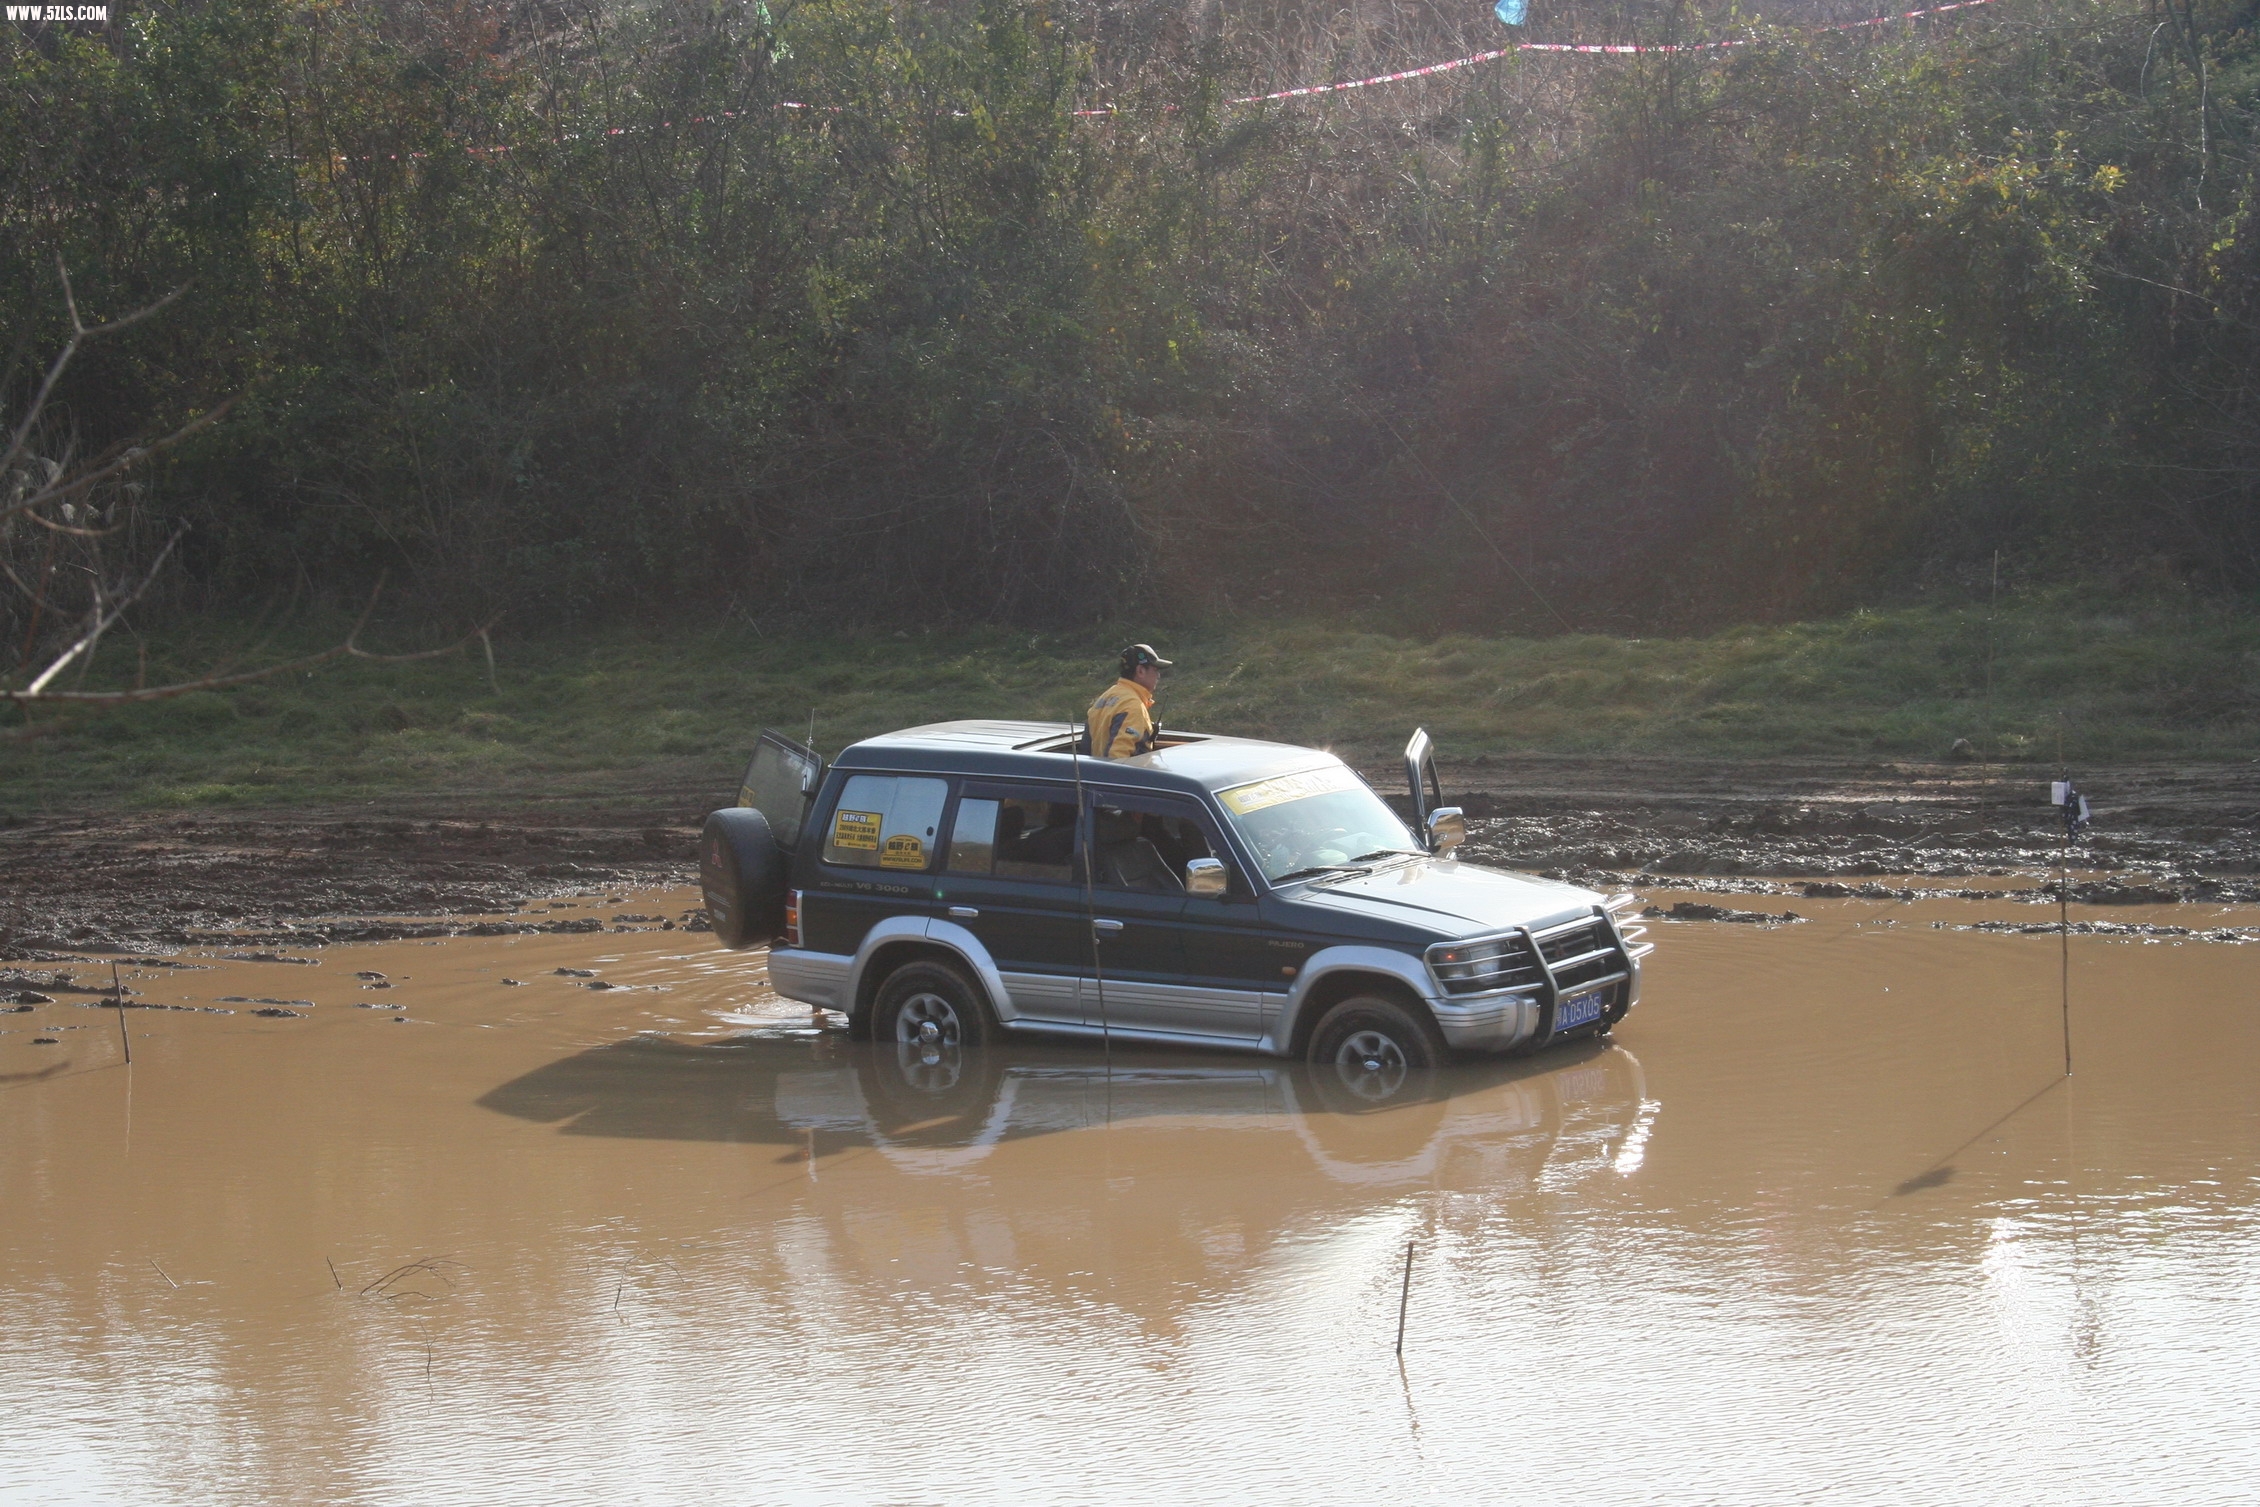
<point x="742" y="872"/>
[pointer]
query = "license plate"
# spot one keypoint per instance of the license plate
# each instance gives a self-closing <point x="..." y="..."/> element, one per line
<point x="1580" y="1009"/>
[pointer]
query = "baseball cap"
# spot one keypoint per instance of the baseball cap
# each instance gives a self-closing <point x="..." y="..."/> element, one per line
<point x="1139" y="655"/>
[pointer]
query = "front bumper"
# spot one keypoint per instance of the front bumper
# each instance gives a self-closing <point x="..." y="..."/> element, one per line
<point x="1558" y="961"/>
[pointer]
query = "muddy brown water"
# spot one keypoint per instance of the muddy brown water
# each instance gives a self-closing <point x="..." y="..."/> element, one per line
<point x="1824" y="1223"/>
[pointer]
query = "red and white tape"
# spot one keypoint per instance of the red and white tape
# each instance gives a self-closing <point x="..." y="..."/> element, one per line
<point x="1604" y="47"/>
<point x="1308" y="90"/>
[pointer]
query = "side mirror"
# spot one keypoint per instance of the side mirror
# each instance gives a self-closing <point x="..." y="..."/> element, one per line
<point x="1447" y="829"/>
<point x="1207" y="876"/>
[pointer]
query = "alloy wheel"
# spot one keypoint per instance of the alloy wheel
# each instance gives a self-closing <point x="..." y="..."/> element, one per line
<point x="928" y="1038"/>
<point x="1371" y="1063"/>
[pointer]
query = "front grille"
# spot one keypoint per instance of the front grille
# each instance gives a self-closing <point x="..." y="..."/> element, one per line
<point x="1580" y="952"/>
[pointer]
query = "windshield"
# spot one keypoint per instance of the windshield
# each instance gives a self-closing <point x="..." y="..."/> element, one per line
<point x="1317" y="819"/>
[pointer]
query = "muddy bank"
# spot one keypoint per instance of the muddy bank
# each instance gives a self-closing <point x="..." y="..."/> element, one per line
<point x="103" y="884"/>
<point x="434" y="865"/>
<point x="1834" y="830"/>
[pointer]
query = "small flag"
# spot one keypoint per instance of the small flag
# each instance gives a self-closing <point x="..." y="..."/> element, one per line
<point x="2065" y="795"/>
<point x="1511" y="12"/>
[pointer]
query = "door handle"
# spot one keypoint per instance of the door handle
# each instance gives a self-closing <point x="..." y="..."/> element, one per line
<point x="1109" y="928"/>
<point x="963" y="913"/>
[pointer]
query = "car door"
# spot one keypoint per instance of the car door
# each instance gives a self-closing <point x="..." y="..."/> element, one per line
<point x="876" y="847"/>
<point x="780" y="780"/>
<point x="1169" y="961"/>
<point x="1011" y="876"/>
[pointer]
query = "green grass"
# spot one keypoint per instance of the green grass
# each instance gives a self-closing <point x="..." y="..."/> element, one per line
<point x="600" y="715"/>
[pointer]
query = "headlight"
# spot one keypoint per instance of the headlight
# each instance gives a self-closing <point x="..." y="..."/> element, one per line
<point x="1490" y="963"/>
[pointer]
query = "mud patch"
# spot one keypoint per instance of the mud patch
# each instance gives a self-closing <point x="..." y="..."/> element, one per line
<point x="1696" y="910"/>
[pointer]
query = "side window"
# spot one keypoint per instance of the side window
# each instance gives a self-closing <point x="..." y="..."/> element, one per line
<point x="1143" y="842"/>
<point x="778" y="783"/>
<point x="973" y="838"/>
<point x="885" y="821"/>
<point x="1014" y="834"/>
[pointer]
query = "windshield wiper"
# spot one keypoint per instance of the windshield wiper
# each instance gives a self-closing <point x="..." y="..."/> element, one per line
<point x="1322" y="868"/>
<point x="1385" y="853"/>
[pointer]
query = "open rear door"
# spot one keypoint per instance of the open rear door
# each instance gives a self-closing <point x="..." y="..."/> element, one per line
<point x="779" y="783"/>
<point x="1420" y="778"/>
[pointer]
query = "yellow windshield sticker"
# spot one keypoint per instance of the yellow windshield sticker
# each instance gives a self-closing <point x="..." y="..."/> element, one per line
<point x="856" y="829"/>
<point x="903" y="851"/>
<point x="1247" y="799"/>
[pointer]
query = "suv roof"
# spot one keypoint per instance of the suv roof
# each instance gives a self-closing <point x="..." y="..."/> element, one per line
<point x="1037" y="750"/>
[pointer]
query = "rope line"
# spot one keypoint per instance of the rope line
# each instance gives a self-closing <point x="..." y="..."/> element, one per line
<point x="1497" y="53"/>
<point x="1308" y="91"/>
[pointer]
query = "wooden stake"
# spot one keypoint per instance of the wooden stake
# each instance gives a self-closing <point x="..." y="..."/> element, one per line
<point x="1404" y="1298"/>
<point x="2064" y="947"/>
<point x="118" y="997"/>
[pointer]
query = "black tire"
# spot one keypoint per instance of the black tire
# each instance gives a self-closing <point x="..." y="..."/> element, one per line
<point x="929" y="1005"/>
<point x="1368" y="1049"/>
<point x="928" y="1093"/>
<point x="741" y="872"/>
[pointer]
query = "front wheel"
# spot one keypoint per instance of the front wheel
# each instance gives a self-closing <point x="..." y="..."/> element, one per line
<point x="1371" y="1045"/>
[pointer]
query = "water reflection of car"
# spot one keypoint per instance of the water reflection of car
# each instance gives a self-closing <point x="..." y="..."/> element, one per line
<point x="950" y="1111"/>
<point x="947" y="884"/>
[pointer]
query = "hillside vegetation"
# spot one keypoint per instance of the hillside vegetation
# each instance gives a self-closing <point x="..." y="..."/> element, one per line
<point x="616" y="715"/>
<point x="847" y="311"/>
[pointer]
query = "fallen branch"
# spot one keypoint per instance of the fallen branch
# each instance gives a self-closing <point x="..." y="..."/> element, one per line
<point x="35" y="695"/>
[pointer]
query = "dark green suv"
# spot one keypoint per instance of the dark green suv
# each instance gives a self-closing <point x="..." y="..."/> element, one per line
<point x="942" y="884"/>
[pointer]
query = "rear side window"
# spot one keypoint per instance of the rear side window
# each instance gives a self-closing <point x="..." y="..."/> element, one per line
<point x="885" y="821"/>
<point x="1013" y="834"/>
<point x="778" y="783"/>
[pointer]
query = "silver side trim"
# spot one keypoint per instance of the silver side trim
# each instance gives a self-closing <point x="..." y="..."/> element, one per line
<point x="1090" y="1031"/>
<point x="1195" y="1010"/>
<point x="1038" y="999"/>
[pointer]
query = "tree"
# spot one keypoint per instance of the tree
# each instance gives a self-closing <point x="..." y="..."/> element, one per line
<point x="81" y="518"/>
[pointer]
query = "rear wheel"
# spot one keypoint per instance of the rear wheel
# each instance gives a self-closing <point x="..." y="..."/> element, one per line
<point x="1366" y="1047"/>
<point x="927" y="1013"/>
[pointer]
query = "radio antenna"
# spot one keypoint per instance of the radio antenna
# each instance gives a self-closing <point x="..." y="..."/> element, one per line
<point x="1091" y="907"/>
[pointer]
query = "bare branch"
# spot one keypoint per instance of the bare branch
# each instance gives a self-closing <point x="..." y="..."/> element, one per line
<point x="73" y="529"/>
<point x="221" y="682"/>
<point x="133" y="456"/>
<point x="79" y="332"/>
<point x="102" y="621"/>
<point x="15" y="448"/>
<point x="70" y="299"/>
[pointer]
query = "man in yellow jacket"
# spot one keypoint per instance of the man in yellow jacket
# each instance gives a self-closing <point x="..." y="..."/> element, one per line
<point x="1122" y="721"/>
